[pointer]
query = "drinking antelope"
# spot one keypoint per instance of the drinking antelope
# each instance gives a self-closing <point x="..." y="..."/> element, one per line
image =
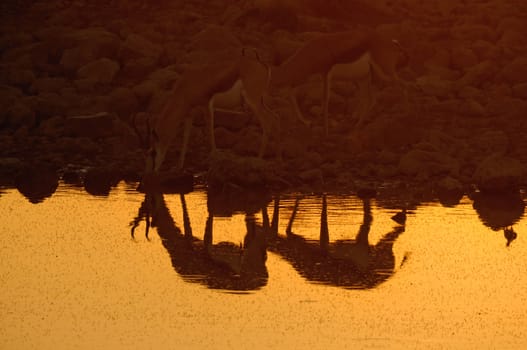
<point x="357" y="55"/>
<point x="220" y="84"/>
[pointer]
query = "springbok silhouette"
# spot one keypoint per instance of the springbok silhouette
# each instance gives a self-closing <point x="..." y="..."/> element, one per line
<point x="353" y="264"/>
<point x="218" y="266"/>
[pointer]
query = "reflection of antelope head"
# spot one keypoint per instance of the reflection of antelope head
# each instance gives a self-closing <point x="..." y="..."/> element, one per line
<point x="219" y="266"/>
<point x="352" y="264"/>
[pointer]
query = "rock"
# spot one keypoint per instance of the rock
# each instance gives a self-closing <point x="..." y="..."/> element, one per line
<point x="499" y="174"/>
<point x="520" y="90"/>
<point x="463" y="57"/>
<point x="49" y="104"/>
<point x="472" y="108"/>
<point x="224" y="137"/>
<point x="20" y="114"/>
<point x="417" y="162"/>
<point x="9" y="167"/>
<point x="473" y="32"/>
<point x="231" y="121"/>
<point x="499" y="211"/>
<point x="97" y="42"/>
<point x="123" y="102"/>
<point x="164" y="78"/>
<point x="449" y="191"/>
<point x="226" y="168"/>
<point x="479" y="74"/>
<point x="101" y="71"/>
<point x="54" y="85"/>
<point x="92" y="126"/>
<point x="214" y="38"/>
<point x="36" y="183"/>
<point x="52" y="127"/>
<point x="136" y="46"/>
<point x="487" y="142"/>
<point x="435" y="86"/>
<point x="515" y="72"/>
<point x="138" y="68"/>
<point x="312" y="176"/>
<point x="74" y="58"/>
<point x="485" y="50"/>
<point x="20" y="77"/>
<point x="99" y="182"/>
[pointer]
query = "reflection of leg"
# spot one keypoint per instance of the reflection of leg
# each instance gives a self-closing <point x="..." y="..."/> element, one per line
<point x="276" y="212"/>
<point x="265" y="219"/>
<point x="207" y="237"/>
<point x="324" y="230"/>
<point x="187" y="229"/>
<point x="292" y="218"/>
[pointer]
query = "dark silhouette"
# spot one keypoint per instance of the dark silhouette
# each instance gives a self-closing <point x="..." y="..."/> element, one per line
<point x="400" y="217"/>
<point x="499" y="211"/>
<point x="509" y="234"/>
<point x="37" y="182"/>
<point x="218" y="266"/>
<point x="353" y="264"/>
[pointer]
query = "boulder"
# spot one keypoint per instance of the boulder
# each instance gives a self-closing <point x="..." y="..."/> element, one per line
<point x="515" y="72"/>
<point x="99" y="181"/>
<point x="101" y="71"/>
<point x="136" y="46"/>
<point x="76" y="57"/>
<point x="463" y="57"/>
<point x="499" y="174"/>
<point x="426" y="163"/>
<point x="92" y="126"/>
<point x="435" y="86"/>
<point x="480" y="73"/>
<point x="36" y="183"/>
<point x="499" y="211"/>
<point x="20" y="77"/>
<point x="20" y="114"/>
<point x="54" y="84"/>
<point x="449" y="191"/>
<point x="520" y="90"/>
<point x="473" y="32"/>
<point x="214" y="38"/>
<point x="97" y="42"/>
<point x="123" y="102"/>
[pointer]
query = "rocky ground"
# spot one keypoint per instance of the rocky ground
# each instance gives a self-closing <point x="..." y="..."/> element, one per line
<point x="75" y="75"/>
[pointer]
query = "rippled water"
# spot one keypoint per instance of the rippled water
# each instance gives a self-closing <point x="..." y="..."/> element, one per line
<point x="73" y="275"/>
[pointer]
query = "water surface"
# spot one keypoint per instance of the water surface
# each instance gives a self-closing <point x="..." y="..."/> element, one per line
<point x="74" y="277"/>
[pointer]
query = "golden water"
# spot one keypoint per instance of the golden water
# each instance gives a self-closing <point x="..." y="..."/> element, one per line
<point x="72" y="277"/>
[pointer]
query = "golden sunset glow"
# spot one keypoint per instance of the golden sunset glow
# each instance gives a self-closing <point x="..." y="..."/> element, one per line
<point x="74" y="277"/>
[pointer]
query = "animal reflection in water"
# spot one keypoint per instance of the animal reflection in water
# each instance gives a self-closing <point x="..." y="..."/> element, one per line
<point x="222" y="266"/>
<point x="353" y="264"/>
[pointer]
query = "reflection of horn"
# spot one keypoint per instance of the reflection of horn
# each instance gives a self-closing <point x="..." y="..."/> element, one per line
<point x="143" y="212"/>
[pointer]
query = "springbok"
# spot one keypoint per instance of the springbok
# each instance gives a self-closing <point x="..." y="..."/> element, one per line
<point x="223" y="265"/>
<point x="354" y="264"/>
<point x="356" y="55"/>
<point x="220" y="84"/>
